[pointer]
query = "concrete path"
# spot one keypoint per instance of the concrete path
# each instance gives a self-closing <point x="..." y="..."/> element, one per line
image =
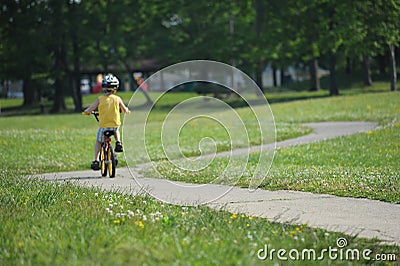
<point x="365" y="218"/>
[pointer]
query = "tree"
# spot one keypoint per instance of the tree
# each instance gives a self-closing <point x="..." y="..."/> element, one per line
<point x="365" y="44"/>
<point x="23" y="55"/>
<point x="374" y="31"/>
<point x="388" y="32"/>
<point x="77" y="33"/>
<point x="200" y="30"/>
<point x="393" y="71"/>
<point x="279" y="38"/>
<point x="51" y="41"/>
<point x="337" y="19"/>
<point x="259" y="28"/>
<point x="57" y="23"/>
<point x="306" y="20"/>
<point x="37" y="45"/>
<point x="135" y="41"/>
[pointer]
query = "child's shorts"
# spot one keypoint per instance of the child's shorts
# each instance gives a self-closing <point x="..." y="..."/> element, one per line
<point x="100" y="133"/>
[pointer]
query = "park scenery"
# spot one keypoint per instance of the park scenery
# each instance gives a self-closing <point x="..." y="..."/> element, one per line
<point x="258" y="133"/>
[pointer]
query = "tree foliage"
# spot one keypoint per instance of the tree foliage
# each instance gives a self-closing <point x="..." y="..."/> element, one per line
<point x="46" y="43"/>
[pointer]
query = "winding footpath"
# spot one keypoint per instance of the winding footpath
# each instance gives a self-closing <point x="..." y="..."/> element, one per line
<point x="353" y="216"/>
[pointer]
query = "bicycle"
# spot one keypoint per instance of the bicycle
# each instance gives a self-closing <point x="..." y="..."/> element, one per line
<point x="108" y="158"/>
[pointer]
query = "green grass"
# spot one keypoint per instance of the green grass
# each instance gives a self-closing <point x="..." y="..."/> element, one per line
<point x="37" y="144"/>
<point x="364" y="165"/>
<point x="9" y="103"/>
<point x="65" y="142"/>
<point x="46" y="223"/>
<point x="378" y="107"/>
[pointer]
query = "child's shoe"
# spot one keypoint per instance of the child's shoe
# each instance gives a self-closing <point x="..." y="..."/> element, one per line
<point x="95" y="165"/>
<point x="118" y="147"/>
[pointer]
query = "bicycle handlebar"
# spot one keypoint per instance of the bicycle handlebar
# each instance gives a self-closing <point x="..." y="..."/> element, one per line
<point x="96" y="115"/>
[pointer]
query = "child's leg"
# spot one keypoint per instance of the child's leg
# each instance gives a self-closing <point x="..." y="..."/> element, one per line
<point x="97" y="148"/>
<point x="118" y="144"/>
<point x="117" y="135"/>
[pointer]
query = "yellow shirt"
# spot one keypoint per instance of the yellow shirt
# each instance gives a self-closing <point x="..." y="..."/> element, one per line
<point x="109" y="111"/>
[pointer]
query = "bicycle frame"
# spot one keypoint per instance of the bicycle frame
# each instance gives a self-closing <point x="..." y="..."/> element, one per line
<point x="108" y="159"/>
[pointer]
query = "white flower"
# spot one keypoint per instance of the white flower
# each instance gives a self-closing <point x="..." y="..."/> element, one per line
<point x="130" y="213"/>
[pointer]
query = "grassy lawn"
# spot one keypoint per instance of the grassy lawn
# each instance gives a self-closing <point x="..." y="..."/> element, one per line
<point x="364" y="165"/>
<point x="65" y="142"/>
<point x="58" y="223"/>
<point x="47" y="223"/>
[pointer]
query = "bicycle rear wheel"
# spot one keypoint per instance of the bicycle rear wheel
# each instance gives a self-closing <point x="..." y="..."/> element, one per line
<point x="112" y="162"/>
<point x="103" y="161"/>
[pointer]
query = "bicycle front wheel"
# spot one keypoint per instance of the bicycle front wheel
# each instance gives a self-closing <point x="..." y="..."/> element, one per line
<point x="103" y="161"/>
<point x="112" y="163"/>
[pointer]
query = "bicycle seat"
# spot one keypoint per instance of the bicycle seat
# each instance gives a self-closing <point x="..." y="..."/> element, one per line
<point x="109" y="133"/>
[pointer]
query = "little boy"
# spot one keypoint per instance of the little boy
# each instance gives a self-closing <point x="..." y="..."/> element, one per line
<point x="109" y="115"/>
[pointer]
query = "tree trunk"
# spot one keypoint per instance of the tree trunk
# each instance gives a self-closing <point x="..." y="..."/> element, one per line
<point x="31" y="95"/>
<point x="59" y="67"/>
<point x="393" y="72"/>
<point x="382" y="63"/>
<point x="367" y="71"/>
<point x="274" y="80"/>
<point x="59" y="102"/>
<point x="333" y="87"/>
<point x="348" y="65"/>
<point x="76" y="92"/>
<point x="282" y="76"/>
<point x="259" y="73"/>
<point x="259" y="8"/>
<point x="314" y="79"/>
<point x="76" y="79"/>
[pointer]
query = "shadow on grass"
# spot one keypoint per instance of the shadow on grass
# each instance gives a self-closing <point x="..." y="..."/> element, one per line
<point x="32" y="111"/>
<point x="84" y="178"/>
<point x="287" y="93"/>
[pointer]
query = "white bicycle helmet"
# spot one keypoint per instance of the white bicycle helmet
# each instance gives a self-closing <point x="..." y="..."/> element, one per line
<point x="110" y="82"/>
